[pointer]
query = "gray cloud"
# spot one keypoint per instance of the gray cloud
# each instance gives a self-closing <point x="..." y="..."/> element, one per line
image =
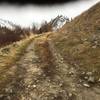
<point x="26" y="15"/>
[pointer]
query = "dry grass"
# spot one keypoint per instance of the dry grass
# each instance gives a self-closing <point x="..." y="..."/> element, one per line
<point x="43" y="51"/>
<point x="11" y="53"/>
<point x="79" y="41"/>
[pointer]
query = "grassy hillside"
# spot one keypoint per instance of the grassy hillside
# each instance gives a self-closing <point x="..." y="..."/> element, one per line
<point x="79" y="42"/>
<point x="11" y="53"/>
<point x="88" y="22"/>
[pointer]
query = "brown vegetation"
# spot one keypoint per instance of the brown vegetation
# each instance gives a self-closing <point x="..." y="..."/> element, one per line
<point x="43" y="51"/>
<point x="79" y="41"/>
<point x="11" y="53"/>
<point x="8" y="36"/>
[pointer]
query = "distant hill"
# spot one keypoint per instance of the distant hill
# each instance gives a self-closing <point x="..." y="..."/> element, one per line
<point x="7" y="24"/>
<point x="58" y="22"/>
<point x="10" y="32"/>
<point x="53" y="25"/>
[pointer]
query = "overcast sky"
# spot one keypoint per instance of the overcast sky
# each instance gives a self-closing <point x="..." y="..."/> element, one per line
<point x="28" y="14"/>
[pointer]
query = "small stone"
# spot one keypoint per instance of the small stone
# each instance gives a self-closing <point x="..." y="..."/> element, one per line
<point x="80" y="80"/>
<point x="44" y="75"/>
<point x="6" y="90"/>
<point x="50" y="86"/>
<point x="94" y="46"/>
<point x="86" y="77"/>
<point x="75" y="64"/>
<point x="85" y="39"/>
<point x="43" y="90"/>
<point x="10" y="91"/>
<point x="86" y="85"/>
<point x="70" y="94"/>
<point x="71" y="73"/>
<point x="91" y="79"/>
<point x="28" y="86"/>
<point x="62" y="59"/>
<point x="89" y="73"/>
<point x="37" y="81"/>
<point x="49" y="80"/>
<point x="73" y="89"/>
<point x="34" y="86"/>
<point x="60" y="84"/>
<point x="83" y="73"/>
<point x="99" y="80"/>
<point x="96" y="42"/>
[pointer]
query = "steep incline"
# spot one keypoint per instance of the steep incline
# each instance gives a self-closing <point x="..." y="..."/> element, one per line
<point x="79" y="44"/>
<point x="88" y="22"/>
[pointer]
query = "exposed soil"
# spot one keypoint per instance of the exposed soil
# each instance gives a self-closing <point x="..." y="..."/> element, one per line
<point x="42" y="74"/>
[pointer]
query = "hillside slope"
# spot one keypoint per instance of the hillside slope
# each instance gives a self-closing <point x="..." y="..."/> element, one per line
<point x="43" y="74"/>
<point x="79" y="43"/>
<point x="87" y="22"/>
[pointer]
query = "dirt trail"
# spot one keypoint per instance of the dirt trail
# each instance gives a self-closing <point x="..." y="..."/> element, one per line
<point x="20" y="76"/>
<point x="42" y="74"/>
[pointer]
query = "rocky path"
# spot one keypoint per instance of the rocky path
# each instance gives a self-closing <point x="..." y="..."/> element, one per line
<point x="35" y="77"/>
<point x="20" y="77"/>
<point x="42" y="74"/>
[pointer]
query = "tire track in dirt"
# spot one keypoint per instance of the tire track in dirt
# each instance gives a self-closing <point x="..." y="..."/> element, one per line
<point x="21" y="77"/>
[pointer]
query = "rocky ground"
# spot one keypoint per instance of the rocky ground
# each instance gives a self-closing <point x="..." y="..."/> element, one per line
<point x="42" y="74"/>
